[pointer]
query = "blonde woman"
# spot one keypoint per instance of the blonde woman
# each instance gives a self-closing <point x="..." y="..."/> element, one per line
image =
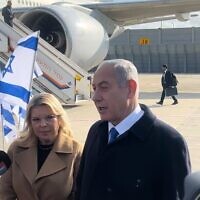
<point x="46" y="159"/>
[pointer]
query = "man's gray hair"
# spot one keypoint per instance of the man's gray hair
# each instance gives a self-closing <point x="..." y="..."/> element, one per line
<point x="124" y="70"/>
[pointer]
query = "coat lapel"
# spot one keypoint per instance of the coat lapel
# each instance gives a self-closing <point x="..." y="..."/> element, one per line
<point x="26" y="157"/>
<point x="52" y="164"/>
<point x="27" y="161"/>
<point x="55" y="162"/>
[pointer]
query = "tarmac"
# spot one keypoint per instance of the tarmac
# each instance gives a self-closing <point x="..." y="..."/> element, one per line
<point x="185" y="116"/>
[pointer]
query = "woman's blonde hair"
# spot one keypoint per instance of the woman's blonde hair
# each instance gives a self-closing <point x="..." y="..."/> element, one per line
<point x="53" y="103"/>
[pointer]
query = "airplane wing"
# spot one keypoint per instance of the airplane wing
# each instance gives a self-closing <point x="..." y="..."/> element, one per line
<point x="82" y="31"/>
<point x="134" y="12"/>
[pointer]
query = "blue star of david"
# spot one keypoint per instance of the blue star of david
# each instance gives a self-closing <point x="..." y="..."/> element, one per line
<point x="8" y="68"/>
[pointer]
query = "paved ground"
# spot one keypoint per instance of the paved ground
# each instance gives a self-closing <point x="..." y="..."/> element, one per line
<point x="185" y="116"/>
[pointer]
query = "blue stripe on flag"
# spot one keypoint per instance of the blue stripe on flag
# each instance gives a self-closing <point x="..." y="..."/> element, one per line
<point x="8" y="116"/>
<point x="30" y="43"/>
<point x="6" y="130"/>
<point x="36" y="74"/>
<point x="22" y="112"/>
<point x="15" y="90"/>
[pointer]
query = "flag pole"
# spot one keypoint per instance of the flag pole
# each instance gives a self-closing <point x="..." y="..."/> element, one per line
<point x="2" y="131"/>
<point x="2" y="127"/>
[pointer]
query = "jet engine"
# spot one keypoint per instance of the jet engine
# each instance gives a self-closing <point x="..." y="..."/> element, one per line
<point x="72" y="31"/>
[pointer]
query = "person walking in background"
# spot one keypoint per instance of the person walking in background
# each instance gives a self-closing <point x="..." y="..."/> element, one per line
<point x="167" y="81"/>
<point x="8" y="14"/>
<point x="130" y="153"/>
<point x="45" y="161"/>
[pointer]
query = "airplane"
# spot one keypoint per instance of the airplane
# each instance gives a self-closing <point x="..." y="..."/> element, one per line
<point x="23" y="3"/>
<point x="82" y="30"/>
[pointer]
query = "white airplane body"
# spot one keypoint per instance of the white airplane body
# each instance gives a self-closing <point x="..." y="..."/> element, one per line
<point x="81" y="29"/>
<point x="16" y="4"/>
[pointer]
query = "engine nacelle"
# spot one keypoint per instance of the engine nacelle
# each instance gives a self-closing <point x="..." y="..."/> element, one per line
<point x="72" y="31"/>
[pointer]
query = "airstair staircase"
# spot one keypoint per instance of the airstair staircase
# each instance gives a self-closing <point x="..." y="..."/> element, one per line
<point x="61" y="76"/>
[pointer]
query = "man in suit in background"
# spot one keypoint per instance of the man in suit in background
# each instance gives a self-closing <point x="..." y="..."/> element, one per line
<point x="166" y="81"/>
<point x="8" y="14"/>
<point x="129" y="153"/>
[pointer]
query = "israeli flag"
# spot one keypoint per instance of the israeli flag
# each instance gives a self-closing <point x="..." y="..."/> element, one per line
<point x="15" y="83"/>
<point x="17" y="75"/>
<point x="8" y="122"/>
<point x="37" y="71"/>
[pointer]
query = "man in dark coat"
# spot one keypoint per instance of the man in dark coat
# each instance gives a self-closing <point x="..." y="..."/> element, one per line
<point x="8" y="14"/>
<point x="144" y="159"/>
<point x="166" y="81"/>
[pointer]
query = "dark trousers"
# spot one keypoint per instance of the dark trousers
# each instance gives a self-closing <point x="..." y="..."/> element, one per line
<point x="163" y="96"/>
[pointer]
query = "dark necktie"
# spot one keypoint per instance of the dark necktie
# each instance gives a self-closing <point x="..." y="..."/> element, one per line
<point x="113" y="134"/>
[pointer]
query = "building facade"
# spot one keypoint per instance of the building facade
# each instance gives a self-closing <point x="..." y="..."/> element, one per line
<point x="149" y="49"/>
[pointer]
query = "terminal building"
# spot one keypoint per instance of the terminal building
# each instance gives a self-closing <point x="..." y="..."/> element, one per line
<point x="149" y="49"/>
